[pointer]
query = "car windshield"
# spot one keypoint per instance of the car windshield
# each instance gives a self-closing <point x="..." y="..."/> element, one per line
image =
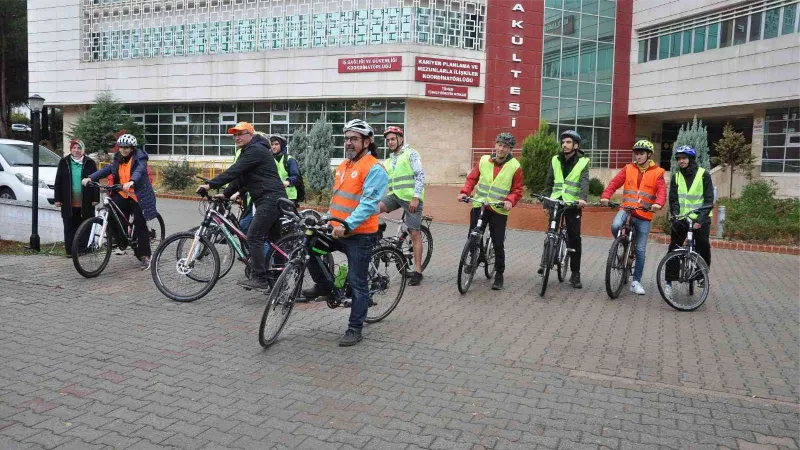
<point x="22" y="155"/>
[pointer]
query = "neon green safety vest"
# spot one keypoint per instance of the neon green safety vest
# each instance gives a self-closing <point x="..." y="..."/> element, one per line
<point x="692" y="198"/>
<point x="401" y="177"/>
<point x="568" y="189"/>
<point x="493" y="189"/>
<point x="291" y="191"/>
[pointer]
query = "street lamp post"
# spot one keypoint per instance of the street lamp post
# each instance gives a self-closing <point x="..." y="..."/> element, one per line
<point x="36" y="103"/>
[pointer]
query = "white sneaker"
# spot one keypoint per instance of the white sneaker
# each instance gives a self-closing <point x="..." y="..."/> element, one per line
<point x="668" y="292"/>
<point x="637" y="288"/>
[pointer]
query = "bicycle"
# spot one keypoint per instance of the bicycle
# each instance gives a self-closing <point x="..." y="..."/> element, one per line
<point x="289" y="284"/>
<point x="556" y="241"/>
<point x="691" y="268"/>
<point x="477" y="250"/>
<point x="403" y="243"/>
<point x="622" y="255"/>
<point x="110" y="228"/>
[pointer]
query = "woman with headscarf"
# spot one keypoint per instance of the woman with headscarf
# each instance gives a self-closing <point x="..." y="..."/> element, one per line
<point x="76" y="202"/>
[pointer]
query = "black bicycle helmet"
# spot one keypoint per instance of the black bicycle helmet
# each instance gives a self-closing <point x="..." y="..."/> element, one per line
<point x="506" y="139"/>
<point x="571" y="134"/>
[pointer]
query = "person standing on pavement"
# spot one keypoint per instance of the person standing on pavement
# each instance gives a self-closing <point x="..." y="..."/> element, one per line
<point x="76" y="201"/>
<point x="568" y="179"/>
<point x="498" y="178"/>
<point x="255" y="173"/>
<point x="406" y="190"/>
<point x="644" y="186"/>
<point x="288" y="169"/>
<point x="690" y="188"/>
<point x="358" y="186"/>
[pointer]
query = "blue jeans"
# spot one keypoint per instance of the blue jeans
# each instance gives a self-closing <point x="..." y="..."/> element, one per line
<point x="641" y="231"/>
<point x="358" y="249"/>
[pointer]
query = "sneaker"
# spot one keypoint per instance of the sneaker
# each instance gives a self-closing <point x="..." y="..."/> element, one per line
<point x="317" y="290"/>
<point x="120" y="252"/>
<point x="253" y="283"/>
<point x="498" y="282"/>
<point x="637" y="288"/>
<point x="575" y="280"/>
<point x="540" y="271"/>
<point x="416" y="279"/>
<point x="145" y="263"/>
<point x="69" y="255"/>
<point x="351" y="337"/>
<point x="668" y="292"/>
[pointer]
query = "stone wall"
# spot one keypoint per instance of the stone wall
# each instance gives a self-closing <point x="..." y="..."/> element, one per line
<point x="442" y="133"/>
<point x="16" y="219"/>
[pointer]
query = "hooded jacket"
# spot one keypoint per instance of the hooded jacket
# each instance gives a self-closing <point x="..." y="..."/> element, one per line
<point x="141" y="182"/>
<point x="294" y="168"/>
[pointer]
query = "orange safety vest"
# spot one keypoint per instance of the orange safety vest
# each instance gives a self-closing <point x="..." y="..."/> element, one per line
<point x="124" y="177"/>
<point x="348" y="187"/>
<point x="644" y="194"/>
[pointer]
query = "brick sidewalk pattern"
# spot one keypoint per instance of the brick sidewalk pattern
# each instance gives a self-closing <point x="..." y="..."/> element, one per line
<point x="111" y="363"/>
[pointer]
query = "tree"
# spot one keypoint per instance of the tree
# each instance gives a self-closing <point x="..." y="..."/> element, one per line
<point x="696" y="135"/>
<point x="538" y="150"/>
<point x="298" y="148"/>
<point x="97" y="126"/>
<point x="734" y="151"/>
<point x="13" y="60"/>
<point x="318" y="157"/>
<point x="20" y="118"/>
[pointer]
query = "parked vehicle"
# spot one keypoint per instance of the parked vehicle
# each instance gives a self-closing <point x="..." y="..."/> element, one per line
<point x="20" y="128"/>
<point x="16" y="171"/>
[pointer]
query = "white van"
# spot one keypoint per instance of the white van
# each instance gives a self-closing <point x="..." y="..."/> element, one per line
<point x="16" y="171"/>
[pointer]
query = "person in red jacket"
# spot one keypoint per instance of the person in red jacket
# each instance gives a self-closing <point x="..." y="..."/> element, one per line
<point x="644" y="185"/>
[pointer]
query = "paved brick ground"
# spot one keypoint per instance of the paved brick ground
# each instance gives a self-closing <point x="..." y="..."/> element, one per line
<point x="110" y="363"/>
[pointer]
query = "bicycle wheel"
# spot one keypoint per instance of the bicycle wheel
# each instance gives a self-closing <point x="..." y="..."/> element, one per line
<point x="562" y="262"/>
<point x="387" y="282"/>
<point x="277" y="253"/>
<point x="281" y="302"/>
<point x="690" y="290"/>
<point x="226" y="252"/>
<point x="88" y="255"/>
<point x="184" y="276"/>
<point x="547" y="261"/>
<point x="488" y="256"/>
<point x="156" y="230"/>
<point x="427" y="247"/>
<point x="617" y="267"/>
<point x="467" y="265"/>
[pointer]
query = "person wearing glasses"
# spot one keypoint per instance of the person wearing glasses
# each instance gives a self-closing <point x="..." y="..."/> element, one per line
<point x="256" y="174"/>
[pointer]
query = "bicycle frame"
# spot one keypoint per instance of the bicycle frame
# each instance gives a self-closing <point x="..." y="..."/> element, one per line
<point x="119" y="218"/>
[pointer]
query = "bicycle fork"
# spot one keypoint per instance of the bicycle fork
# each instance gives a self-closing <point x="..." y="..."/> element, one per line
<point x="104" y="216"/>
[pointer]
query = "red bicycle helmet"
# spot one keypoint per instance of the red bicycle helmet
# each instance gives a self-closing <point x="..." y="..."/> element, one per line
<point x="393" y="129"/>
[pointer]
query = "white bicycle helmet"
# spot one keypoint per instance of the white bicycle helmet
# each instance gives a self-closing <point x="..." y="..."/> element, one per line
<point x="127" y="140"/>
<point x="360" y="127"/>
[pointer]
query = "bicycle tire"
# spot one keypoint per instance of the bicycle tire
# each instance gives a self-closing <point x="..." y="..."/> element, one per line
<point x="281" y="302"/>
<point x="227" y="256"/>
<point x="563" y="260"/>
<point x="163" y="252"/>
<point x="488" y="258"/>
<point x="701" y="269"/>
<point x="287" y="244"/>
<point x="547" y="255"/>
<point x="617" y="275"/>
<point x="469" y="258"/>
<point x="385" y="256"/>
<point x="78" y="256"/>
<point x="427" y="245"/>
<point x="156" y="230"/>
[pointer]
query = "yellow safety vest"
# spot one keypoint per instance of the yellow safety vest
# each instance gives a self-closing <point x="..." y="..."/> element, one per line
<point x="692" y="198"/>
<point x="291" y="191"/>
<point x="401" y="177"/>
<point x="568" y="189"/>
<point x="495" y="190"/>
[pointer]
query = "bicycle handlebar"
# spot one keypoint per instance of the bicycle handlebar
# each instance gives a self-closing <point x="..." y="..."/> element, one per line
<point x="627" y="208"/>
<point x="469" y="199"/>
<point x="108" y="187"/>
<point x="694" y="211"/>
<point x="557" y="201"/>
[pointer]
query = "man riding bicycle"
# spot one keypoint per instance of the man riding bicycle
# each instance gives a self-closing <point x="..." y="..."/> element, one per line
<point x="137" y="196"/>
<point x="254" y="172"/>
<point x="644" y="186"/>
<point x="568" y="179"/>
<point x="358" y="185"/>
<point x="406" y="190"/>
<point x="690" y="188"/>
<point x="499" y="179"/>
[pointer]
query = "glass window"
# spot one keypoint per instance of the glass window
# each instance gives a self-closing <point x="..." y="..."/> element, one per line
<point x="572" y="5"/>
<point x="454" y="31"/>
<point x="740" y="30"/>
<point x="755" y="26"/>
<point x="318" y="37"/>
<point x="391" y="25"/>
<point x="569" y="89"/>
<point x="586" y="91"/>
<point x="601" y="138"/>
<point x="605" y="63"/>
<point x="642" y="50"/>
<point x="589" y="27"/>
<point x="552" y="21"/>
<point x="554" y="3"/>
<point x="245" y="35"/>
<point x="713" y="36"/>
<point x="602" y="114"/>
<point x="197" y="39"/>
<point x="550" y="109"/>
<point x="674" y="45"/>
<point x="603" y="93"/>
<point x="606" y="30"/>
<point x="663" y="47"/>
<point x="423" y="25"/>
<point x="569" y="59"/>
<point x="588" y="62"/>
<point x="297" y="31"/>
<point x="220" y="34"/>
<point x="726" y="34"/>
<point x="652" y="49"/>
<point x="789" y="13"/>
<point x="771" y="22"/>
<point x="567" y="111"/>
<point x="552" y="57"/>
<point x="699" y="39"/>
<point x="585" y="114"/>
<point x="686" y="42"/>
<point x="550" y="87"/>
<point x="607" y="8"/>
<point x="590" y="7"/>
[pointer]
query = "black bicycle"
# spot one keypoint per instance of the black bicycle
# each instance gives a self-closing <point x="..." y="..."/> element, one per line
<point x="622" y="255"/>
<point x="403" y="243"/>
<point x="556" y="251"/>
<point x="110" y="228"/>
<point x="682" y="275"/>
<point x="478" y="249"/>
<point x="386" y="278"/>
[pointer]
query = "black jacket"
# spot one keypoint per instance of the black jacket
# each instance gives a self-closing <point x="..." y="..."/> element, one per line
<point x="63" y="187"/>
<point x="708" y="191"/>
<point x="566" y="168"/>
<point x="254" y="172"/>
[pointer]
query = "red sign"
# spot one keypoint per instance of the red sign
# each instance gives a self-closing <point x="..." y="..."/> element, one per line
<point x="438" y="90"/>
<point x="371" y="64"/>
<point x="448" y="71"/>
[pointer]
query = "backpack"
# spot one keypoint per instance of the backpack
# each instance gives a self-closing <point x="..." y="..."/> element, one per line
<point x="301" y="187"/>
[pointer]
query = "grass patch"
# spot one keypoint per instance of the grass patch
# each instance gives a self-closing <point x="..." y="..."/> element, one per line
<point x="19" y="248"/>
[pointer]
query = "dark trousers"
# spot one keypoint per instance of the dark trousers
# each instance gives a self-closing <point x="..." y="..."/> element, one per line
<point x="497" y="232"/>
<point x="71" y="225"/>
<point x="358" y="249"/>
<point x="572" y="219"/>
<point x="130" y="206"/>
<point x="265" y="223"/>
<point x="702" y="244"/>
